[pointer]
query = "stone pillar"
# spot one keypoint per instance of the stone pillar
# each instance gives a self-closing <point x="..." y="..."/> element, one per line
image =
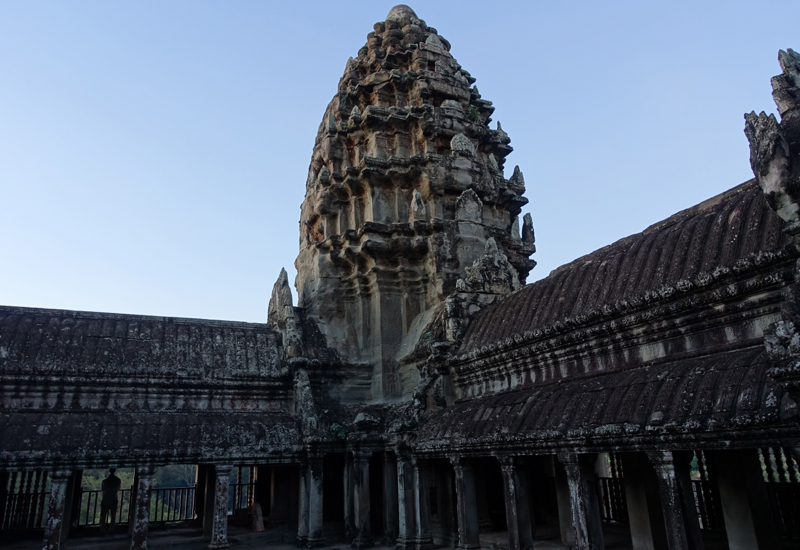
<point x="4" y="480"/>
<point x="518" y="516"/>
<point x="468" y="533"/>
<point x="677" y="514"/>
<point x="422" y="505"/>
<point x="349" y="520"/>
<point x="682" y="461"/>
<point x="72" y="503"/>
<point x="219" y="532"/>
<point x="564" y="504"/>
<point x="583" y="500"/>
<point x="55" y="509"/>
<point x="132" y="502"/>
<point x="742" y="493"/>
<point x="361" y="504"/>
<point x="644" y="513"/>
<point x="141" y="511"/>
<point x="389" y="499"/>
<point x="316" y="536"/>
<point x="72" y="494"/>
<point x="302" y="519"/>
<point x="406" y="530"/>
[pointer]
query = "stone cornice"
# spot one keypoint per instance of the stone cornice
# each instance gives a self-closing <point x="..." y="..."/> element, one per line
<point x="622" y="438"/>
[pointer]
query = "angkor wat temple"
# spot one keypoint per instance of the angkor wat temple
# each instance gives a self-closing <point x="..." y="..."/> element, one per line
<point x="420" y="393"/>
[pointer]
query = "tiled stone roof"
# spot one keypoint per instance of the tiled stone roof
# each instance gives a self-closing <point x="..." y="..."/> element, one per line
<point x="49" y="342"/>
<point x="716" y="233"/>
<point x="711" y="393"/>
<point x="88" y="387"/>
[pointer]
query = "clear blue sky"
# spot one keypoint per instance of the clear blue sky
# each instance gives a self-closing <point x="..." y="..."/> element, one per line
<point x="153" y="154"/>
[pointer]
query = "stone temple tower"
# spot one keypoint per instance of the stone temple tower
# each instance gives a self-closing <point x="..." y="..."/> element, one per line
<point x="405" y="188"/>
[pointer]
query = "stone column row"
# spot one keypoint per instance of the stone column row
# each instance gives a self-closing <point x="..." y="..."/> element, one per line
<point x="669" y="490"/>
<point x="361" y="503"/>
<point x="466" y="505"/>
<point x="57" y="511"/>
<point x="413" y="503"/>
<point x="661" y="503"/>
<point x="309" y="522"/>
<point x="406" y="536"/>
<point x="357" y="499"/>
<point x="518" y="515"/>
<point x="579" y="503"/>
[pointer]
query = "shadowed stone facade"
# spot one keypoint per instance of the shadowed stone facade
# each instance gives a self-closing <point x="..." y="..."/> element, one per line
<point x="421" y="393"/>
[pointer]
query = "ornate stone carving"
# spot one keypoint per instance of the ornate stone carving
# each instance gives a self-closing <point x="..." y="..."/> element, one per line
<point x="782" y="342"/>
<point x="305" y="406"/>
<point x="527" y="230"/>
<point x="461" y="144"/>
<point x="491" y="273"/>
<point x="282" y="315"/>
<point x="774" y="146"/>
<point x="405" y="187"/>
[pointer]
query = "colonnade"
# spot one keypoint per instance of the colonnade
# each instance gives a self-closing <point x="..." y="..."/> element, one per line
<point x="60" y="498"/>
<point x="657" y="486"/>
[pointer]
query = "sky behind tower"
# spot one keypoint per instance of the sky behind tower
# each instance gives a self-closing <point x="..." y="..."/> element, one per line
<point x="153" y="154"/>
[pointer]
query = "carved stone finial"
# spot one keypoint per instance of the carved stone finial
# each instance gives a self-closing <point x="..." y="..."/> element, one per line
<point x="282" y="315"/>
<point x="462" y="145"/>
<point x="501" y="134"/>
<point x="516" y="178"/>
<point x="786" y="86"/>
<point x="491" y="278"/>
<point x="281" y="297"/>
<point x="434" y="40"/>
<point x="528" y="236"/>
<point x="400" y="11"/>
<point x="469" y="207"/>
<point x="418" y="211"/>
<point x="775" y="160"/>
<point x="774" y="147"/>
<point x="491" y="273"/>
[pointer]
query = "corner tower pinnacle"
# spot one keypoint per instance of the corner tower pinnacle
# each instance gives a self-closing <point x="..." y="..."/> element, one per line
<point x="404" y="189"/>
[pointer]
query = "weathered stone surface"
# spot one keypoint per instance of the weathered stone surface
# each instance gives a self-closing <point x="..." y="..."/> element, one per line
<point x="730" y="234"/>
<point x="695" y="399"/>
<point x="775" y="159"/>
<point x="775" y="147"/>
<point x="415" y="338"/>
<point x="404" y="189"/>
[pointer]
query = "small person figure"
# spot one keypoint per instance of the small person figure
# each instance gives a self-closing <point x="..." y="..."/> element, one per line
<point x="258" y="517"/>
<point x="110" y="489"/>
